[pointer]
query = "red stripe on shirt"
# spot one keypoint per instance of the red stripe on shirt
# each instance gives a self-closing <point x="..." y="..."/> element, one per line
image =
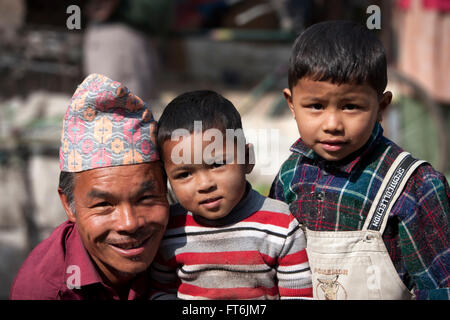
<point x="294" y="258"/>
<point x="264" y="217"/>
<point x="303" y="292"/>
<point x="227" y="293"/>
<point x="270" y="218"/>
<point x="225" y="257"/>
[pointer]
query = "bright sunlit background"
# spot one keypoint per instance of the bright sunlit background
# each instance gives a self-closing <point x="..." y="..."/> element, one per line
<point x="161" y="48"/>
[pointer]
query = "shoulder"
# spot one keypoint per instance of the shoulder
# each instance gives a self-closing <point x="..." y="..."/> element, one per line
<point x="427" y="182"/>
<point x="273" y="212"/>
<point x="289" y="166"/>
<point x="284" y="185"/>
<point x="388" y="151"/>
<point x="423" y="178"/>
<point x="427" y="173"/>
<point x="42" y="273"/>
<point x="424" y="199"/>
<point x="275" y="206"/>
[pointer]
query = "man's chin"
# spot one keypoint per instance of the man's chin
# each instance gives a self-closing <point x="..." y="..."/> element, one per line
<point x="129" y="269"/>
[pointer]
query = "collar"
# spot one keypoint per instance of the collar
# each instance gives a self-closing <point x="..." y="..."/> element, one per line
<point x="78" y="259"/>
<point x="348" y="163"/>
<point x="250" y="203"/>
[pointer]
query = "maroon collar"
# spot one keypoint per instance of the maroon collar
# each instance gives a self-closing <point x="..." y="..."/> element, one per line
<point x="77" y="257"/>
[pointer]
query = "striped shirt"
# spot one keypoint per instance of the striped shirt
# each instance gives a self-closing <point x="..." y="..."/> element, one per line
<point x="336" y="196"/>
<point x="256" y="252"/>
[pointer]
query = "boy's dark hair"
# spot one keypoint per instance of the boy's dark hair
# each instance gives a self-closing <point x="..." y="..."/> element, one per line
<point x="339" y="52"/>
<point x="209" y="107"/>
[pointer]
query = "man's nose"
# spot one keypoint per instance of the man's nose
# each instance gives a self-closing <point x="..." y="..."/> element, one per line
<point x="205" y="181"/>
<point x="127" y="219"/>
<point x="332" y="122"/>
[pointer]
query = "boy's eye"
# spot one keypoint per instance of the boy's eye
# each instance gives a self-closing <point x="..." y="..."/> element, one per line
<point x="218" y="162"/>
<point x="217" y="165"/>
<point x="351" y="107"/>
<point x="316" y="106"/>
<point x="182" y="175"/>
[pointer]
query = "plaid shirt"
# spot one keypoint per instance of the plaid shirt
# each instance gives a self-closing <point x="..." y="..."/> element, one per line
<point x="326" y="196"/>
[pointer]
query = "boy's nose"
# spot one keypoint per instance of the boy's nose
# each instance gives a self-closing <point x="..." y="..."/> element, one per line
<point x="332" y="122"/>
<point x="205" y="182"/>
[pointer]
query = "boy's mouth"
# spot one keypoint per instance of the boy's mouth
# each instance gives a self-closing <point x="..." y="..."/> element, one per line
<point x="209" y="200"/>
<point x="211" y="203"/>
<point x="332" y="145"/>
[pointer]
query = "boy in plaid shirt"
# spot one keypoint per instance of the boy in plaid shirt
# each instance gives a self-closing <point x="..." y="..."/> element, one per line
<point x="337" y="80"/>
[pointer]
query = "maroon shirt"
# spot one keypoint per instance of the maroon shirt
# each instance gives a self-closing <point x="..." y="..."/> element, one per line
<point x="45" y="273"/>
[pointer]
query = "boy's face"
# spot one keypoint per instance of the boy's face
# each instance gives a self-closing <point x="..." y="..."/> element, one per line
<point x="335" y="120"/>
<point x="208" y="190"/>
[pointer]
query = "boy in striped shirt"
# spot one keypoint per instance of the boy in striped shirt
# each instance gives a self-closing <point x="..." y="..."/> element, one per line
<point x="224" y="240"/>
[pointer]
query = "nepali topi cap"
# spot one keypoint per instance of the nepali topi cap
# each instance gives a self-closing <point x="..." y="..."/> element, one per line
<point x="106" y="125"/>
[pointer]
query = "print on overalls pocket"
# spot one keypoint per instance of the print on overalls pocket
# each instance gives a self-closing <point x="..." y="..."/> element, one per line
<point x="343" y="278"/>
<point x="331" y="288"/>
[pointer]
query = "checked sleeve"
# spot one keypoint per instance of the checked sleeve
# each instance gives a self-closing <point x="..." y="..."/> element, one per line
<point x="424" y="234"/>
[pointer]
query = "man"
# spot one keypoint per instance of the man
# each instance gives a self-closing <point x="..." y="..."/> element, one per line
<point x="113" y="190"/>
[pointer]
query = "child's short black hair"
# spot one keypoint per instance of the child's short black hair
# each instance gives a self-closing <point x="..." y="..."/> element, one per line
<point x="339" y="52"/>
<point x="209" y="107"/>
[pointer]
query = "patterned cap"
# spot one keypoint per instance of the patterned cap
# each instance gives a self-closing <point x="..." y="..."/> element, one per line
<point x="106" y="125"/>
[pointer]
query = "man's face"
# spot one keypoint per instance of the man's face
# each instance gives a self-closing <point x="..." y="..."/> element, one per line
<point x="121" y="213"/>
<point x="211" y="188"/>
<point x="335" y="120"/>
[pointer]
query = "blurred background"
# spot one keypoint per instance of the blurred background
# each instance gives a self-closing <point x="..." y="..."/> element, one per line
<point x="161" y="48"/>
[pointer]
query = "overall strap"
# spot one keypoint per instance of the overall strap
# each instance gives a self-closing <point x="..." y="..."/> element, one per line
<point x="391" y="188"/>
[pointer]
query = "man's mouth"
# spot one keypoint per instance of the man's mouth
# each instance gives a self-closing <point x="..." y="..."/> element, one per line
<point x="129" y="245"/>
<point x="130" y="248"/>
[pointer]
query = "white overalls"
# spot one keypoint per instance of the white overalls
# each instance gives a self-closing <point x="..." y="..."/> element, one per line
<point x="356" y="264"/>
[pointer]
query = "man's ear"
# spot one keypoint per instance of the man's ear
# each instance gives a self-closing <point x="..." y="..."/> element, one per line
<point x="70" y="214"/>
<point x="249" y="158"/>
<point x="288" y="96"/>
<point x="383" y="104"/>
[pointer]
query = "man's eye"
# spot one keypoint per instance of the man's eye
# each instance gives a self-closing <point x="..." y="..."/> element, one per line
<point x="146" y="198"/>
<point x="101" y="204"/>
